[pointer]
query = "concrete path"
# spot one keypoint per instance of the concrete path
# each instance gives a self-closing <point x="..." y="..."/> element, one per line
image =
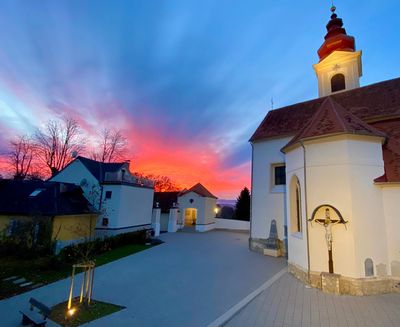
<point x="189" y="281"/>
<point x="288" y="302"/>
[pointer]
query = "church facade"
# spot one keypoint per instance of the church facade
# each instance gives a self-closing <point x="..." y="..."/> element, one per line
<point x="326" y="177"/>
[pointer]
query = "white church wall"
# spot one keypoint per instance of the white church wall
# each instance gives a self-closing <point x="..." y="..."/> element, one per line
<point x="340" y="172"/>
<point x="391" y="205"/>
<point x="297" y="241"/>
<point x="267" y="202"/>
<point x="367" y="205"/>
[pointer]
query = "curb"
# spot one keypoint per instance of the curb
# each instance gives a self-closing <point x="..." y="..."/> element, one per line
<point x="240" y="305"/>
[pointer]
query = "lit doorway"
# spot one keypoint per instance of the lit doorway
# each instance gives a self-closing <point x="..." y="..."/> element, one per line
<point x="190" y="216"/>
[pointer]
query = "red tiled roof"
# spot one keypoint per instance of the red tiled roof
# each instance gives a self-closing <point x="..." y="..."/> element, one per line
<point x="378" y="105"/>
<point x="391" y="150"/>
<point x="368" y="103"/>
<point x="200" y="190"/>
<point x="332" y="118"/>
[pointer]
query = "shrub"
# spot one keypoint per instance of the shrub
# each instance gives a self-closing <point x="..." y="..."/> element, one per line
<point x="88" y="250"/>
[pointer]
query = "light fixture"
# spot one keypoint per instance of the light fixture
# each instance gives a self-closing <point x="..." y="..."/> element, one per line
<point x="71" y="311"/>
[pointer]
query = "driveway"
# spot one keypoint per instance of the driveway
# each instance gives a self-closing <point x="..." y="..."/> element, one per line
<point x="190" y="280"/>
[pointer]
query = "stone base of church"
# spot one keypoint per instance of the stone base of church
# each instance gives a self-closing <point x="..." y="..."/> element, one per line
<point x="346" y="285"/>
<point x="260" y="245"/>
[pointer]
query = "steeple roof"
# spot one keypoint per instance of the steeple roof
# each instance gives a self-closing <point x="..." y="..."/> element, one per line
<point x="336" y="38"/>
<point x="331" y="119"/>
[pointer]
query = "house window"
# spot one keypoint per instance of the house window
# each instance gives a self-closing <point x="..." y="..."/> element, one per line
<point x="104" y="222"/>
<point x="338" y="83"/>
<point x="108" y="194"/>
<point x="279" y="175"/>
<point x="295" y="206"/>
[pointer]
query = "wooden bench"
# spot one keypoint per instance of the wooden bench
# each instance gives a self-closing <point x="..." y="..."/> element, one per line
<point x="31" y="316"/>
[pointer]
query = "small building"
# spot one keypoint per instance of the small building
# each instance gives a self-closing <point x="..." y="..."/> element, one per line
<point x="192" y="208"/>
<point x="326" y="177"/>
<point x="123" y="200"/>
<point x="61" y="208"/>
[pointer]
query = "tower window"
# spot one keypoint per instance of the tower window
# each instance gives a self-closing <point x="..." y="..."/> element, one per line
<point x="338" y="83"/>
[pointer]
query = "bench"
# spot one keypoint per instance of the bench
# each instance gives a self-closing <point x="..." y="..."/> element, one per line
<point x="37" y="318"/>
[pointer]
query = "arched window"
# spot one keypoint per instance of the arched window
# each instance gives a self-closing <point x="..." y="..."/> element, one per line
<point x="338" y="83"/>
<point x="369" y="267"/>
<point x="295" y="206"/>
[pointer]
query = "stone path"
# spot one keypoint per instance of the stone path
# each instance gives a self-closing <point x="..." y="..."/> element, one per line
<point x="288" y="302"/>
<point x="189" y="281"/>
<point x="21" y="282"/>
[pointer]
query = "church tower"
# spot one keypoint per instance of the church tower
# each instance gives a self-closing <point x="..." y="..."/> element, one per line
<point x="339" y="68"/>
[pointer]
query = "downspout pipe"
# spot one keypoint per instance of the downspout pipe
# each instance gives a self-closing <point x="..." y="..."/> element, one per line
<point x="306" y="210"/>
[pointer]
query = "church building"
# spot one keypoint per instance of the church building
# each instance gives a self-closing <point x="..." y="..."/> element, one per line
<point x="326" y="177"/>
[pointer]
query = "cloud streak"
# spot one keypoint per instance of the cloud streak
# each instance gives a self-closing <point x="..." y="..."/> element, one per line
<point x="187" y="81"/>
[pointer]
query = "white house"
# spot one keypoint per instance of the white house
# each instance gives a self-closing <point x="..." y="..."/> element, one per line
<point x="193" y="208"/>
<point x="124" y="201"/>
<point x="327" y="172"/>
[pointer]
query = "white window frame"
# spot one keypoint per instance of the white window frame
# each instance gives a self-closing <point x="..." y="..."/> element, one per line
<point x="277" y="188"/>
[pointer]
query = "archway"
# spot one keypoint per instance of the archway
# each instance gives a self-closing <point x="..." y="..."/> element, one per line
<point x="190" y="216"/>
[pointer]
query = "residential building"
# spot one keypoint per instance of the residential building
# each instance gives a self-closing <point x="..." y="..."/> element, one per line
<point x="57" y="207"/>
<point x="123" y="200"/>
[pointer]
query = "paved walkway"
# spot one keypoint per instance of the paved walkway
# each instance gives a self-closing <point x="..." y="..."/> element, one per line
<point x="189" y="281"/>
<point x="288" y="302"/>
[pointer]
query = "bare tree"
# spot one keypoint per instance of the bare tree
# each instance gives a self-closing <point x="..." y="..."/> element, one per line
<point x="21" y="155"/>
<point x="57" y="142"/>
<point x="161" y="183"/>
<point x="112" y="146"/>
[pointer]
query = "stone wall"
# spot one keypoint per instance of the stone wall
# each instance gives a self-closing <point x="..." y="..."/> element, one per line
<point x="347" y="285"/>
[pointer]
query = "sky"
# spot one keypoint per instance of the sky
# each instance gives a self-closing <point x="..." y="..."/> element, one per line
<point x="187" y="81"/>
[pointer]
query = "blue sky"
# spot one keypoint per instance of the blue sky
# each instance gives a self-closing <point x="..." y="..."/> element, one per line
<point x="187" y="81"/>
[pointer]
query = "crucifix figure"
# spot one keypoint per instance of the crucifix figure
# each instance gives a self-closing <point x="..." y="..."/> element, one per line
<point x="327" y="223"/>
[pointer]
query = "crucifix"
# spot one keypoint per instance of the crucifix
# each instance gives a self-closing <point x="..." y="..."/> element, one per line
<point x="328" y="223"/>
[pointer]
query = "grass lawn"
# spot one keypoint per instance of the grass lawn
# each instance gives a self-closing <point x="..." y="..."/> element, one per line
<point x="46" y="270"/>
<point x="83" y="314"/>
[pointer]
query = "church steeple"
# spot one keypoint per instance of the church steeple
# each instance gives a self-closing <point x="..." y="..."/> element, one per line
<point x="339" y="67"/>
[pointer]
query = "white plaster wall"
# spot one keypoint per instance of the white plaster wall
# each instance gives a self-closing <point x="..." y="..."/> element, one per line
<point x="74" y="173"/>
<point x="267" y="202"/>
<point x="367" y="204"/>
<point x="111" y="207"/>
<point x="297" y="242"/>
<point x="340" y="172"/>
<point x="391" y="204"/>
<point x="209" y="210"/>
<point x="164" y="222"/>
<point x="232" y="224"/>
<point x="136" y="206"/>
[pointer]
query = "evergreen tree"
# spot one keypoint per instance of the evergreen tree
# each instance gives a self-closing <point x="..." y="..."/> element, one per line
<point x="242" y="210"/>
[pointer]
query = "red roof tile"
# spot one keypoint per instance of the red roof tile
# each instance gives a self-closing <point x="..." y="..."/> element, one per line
<point x="378" y="105"/>
<point x="368" y="103"/>
<point x="200" y="190"/>
<point x="332" y="118"/>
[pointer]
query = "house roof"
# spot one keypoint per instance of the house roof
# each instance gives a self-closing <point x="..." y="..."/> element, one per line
<point x="331" y="119"/>
<point x="165" y="200"/>
<point x="42" y="198"/>
<point x="377" y="105"/>
<point x="99" y="169"/>
<point x="200" y="190"/>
